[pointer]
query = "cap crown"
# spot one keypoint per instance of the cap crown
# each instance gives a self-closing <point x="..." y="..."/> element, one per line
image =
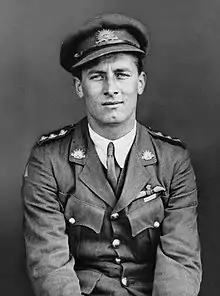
<point x="104" y="34"/>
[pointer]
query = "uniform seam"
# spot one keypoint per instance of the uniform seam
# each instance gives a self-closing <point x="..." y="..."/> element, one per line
<point x="184" y="194"/>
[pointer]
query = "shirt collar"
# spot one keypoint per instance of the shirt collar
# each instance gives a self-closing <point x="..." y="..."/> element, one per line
<point x="122" y="145"/>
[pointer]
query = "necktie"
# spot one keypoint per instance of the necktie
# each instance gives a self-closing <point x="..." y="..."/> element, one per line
<point x="113" y="169"/>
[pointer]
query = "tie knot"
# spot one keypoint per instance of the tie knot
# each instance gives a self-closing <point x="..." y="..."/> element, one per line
<point x="110" y="149"/>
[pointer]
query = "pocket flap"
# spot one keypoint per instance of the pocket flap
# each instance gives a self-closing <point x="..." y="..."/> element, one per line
<point x="78" y="212"/>
<point x="143" y="215"/>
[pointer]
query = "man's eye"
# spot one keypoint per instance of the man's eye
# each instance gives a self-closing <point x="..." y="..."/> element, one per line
<point x="122" y="75"/>
<point x="96" y="77"/>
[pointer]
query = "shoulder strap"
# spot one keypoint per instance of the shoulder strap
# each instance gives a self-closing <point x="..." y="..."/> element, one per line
<point x="166" y="138"/>
<point x="60" y="133"/>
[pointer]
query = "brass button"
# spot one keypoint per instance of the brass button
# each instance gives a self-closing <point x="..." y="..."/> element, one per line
<point x="124" y="281"/>
<point x="118" y="260"/>
<point x="114" y="216"/>
<point x="72" y="220"/>
<point x="156" y="224"/>
<point x="116" y="243"/>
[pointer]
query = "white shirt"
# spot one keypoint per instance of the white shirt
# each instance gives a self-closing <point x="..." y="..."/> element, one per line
<point x="122" y="145"/>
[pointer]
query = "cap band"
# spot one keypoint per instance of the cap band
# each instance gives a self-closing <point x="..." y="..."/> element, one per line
<point x="103" y="38"/>
<point x="82" y="54"/>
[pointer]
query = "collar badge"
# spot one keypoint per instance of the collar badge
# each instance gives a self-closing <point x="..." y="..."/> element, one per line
<point x="147" y="155"/>
<point x="78" y="153"/>
<point x="106" y="36"/>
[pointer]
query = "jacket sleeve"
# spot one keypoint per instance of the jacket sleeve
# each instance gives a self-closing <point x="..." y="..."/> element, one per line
<point x="50" y="265"/>
<point x="178" y="265"/>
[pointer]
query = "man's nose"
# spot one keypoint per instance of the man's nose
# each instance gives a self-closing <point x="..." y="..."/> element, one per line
<point x="111" y="87"/>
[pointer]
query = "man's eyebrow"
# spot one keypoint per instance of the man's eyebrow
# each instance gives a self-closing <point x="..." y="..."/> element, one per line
<point x="92" y="71"/>
<point x="121" y="69"/>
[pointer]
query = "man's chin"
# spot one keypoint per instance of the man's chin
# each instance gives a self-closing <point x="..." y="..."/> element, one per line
<point x="113" y="121"/>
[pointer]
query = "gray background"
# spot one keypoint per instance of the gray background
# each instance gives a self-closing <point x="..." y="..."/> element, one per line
<point x="181" y="99"/>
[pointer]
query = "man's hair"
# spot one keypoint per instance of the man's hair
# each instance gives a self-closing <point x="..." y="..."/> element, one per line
<point x="138" y="59"/>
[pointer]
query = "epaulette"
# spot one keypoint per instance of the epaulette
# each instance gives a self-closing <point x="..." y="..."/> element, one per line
<point x="166" y="138"/>
<point x="56" y="134"/>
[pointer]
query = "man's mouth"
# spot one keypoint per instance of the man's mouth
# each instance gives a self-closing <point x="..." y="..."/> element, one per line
<point x="112" y="103"/>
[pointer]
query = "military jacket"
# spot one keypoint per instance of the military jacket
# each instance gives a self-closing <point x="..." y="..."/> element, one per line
<point x="82" y="239"/>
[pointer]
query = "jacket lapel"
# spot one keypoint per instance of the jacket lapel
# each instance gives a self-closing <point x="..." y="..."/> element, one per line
<point x="142" y="155"/>
<point x="92" y="174"/>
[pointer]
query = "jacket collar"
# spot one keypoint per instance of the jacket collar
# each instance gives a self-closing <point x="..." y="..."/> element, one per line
<point x="144" y="146"/>
<point x="82" y="151"/>
<point x="92" y="174"/>
<point x="79" y="145"/>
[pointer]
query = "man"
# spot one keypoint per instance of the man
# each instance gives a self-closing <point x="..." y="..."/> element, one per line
<point x="110" y="205"/>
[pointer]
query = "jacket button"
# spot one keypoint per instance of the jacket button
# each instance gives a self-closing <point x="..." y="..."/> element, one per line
<point x="116" y="243"/>
<point x="124" y="281"/>
<point x="118" y="260"/>
<point x="156" y="224"/>
<point x="72" y="220"/>
<point x="114" y="216"/>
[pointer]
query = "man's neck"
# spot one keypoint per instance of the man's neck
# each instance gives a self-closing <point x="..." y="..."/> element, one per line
<point x="112" y="131"/>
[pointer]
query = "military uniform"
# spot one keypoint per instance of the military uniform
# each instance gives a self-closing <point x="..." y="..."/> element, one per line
<point x="82" y="237"/>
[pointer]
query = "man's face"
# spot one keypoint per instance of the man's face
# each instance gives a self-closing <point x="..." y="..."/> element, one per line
<point x="110" y="90"/>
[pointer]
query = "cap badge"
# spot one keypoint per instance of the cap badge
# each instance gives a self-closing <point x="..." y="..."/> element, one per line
<point x="78" y="153"/>
<point x="106" y="36"/>
<point x="147" y="155"/>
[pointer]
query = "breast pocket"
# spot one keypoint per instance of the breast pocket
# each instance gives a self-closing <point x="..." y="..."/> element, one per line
<point x="80" y="213"/>
<point x="84" y="224"/>
<point x="146" y="213"/>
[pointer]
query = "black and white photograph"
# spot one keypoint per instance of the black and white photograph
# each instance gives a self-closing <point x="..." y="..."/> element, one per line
<point x="110" y="147"/>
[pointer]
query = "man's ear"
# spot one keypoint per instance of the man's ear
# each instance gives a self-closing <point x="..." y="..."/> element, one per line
<point x="141" y="82"/>
<point x="78" y="87"/>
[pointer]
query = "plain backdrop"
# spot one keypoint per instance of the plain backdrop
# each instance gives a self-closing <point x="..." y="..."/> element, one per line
<point x="181" y="99"/>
